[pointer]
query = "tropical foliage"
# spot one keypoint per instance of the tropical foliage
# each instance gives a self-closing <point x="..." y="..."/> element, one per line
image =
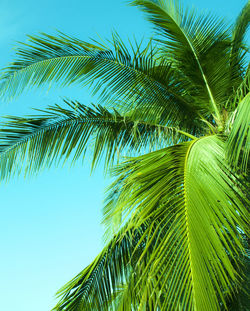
<point x="179" y="106"/>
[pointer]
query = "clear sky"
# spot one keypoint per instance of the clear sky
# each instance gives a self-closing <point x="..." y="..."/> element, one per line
<point x="50" y="223"/>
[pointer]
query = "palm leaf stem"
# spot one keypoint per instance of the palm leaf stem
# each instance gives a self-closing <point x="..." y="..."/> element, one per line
<point x="186" y="134"/>
<point x="187" y="221"/>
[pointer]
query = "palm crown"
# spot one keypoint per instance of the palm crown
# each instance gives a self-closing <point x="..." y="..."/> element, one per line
<point x="176" y="215"/>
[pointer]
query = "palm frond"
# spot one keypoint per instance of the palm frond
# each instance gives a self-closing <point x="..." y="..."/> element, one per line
<point x="59" y="134"/>
<point x="92" y="287"/>
<point x="46" y="58"/>
<point x="238" y="143"/>
<point x="98" y="287"/>
<point x="240" y="92"/>
<point x="113" y="71"/>
<point x="193" y="42"/>
<point x="239" y="47"/>
<point x="240" y="301"/>
<point x="201" y="207"/>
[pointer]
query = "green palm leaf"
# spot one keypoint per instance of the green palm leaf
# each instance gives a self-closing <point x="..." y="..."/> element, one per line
<point x="98" y="286"/>
<point x="187" y="189"/>
<point x="239" y="47"/>
<point x="238" y="143"/>
<point x="36" y="142"/>
<point x="113" y="71"/>
<point x="192" y="40"/>
<point x="240" y="301"/>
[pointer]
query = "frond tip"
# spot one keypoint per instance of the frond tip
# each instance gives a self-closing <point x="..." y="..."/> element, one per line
<point x="98" y="287"/>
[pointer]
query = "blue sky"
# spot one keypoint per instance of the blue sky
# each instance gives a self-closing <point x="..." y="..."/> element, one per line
<point x="50" y="223"/>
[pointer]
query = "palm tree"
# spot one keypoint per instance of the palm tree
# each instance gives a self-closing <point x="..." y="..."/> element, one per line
<point x="178" y="105"/>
